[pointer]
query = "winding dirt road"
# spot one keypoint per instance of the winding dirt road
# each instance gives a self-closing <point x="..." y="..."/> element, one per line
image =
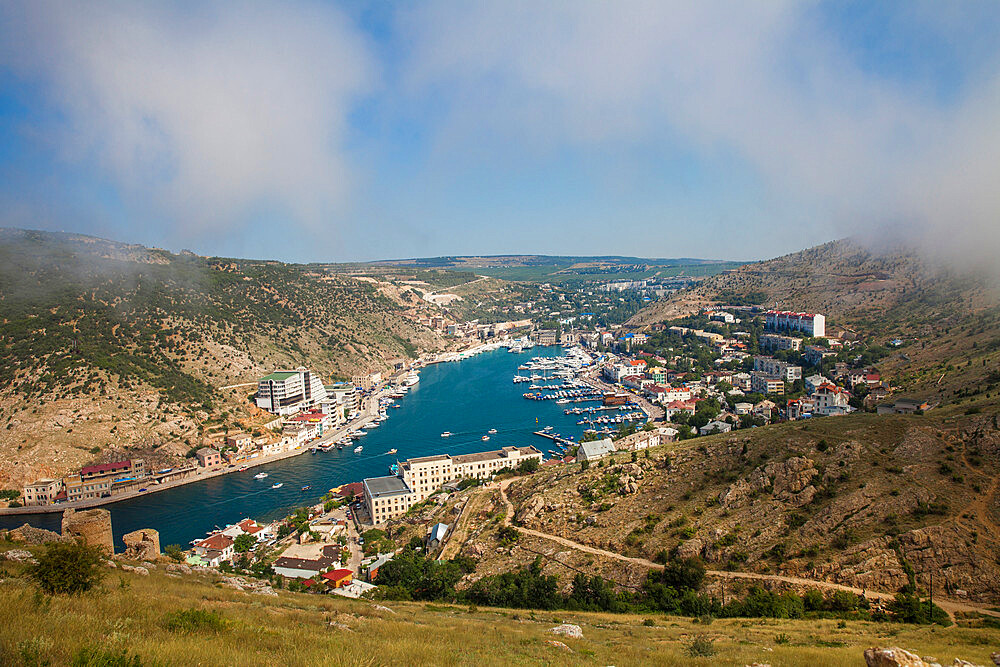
<point x="946" y="605"/>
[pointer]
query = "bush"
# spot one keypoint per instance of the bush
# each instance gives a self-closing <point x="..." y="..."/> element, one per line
<point x="781" y="638"/>
<point x="98" y="657"/>
<point x="702" y="646"/>
<point x="189" y="621"/>
<point x="528" y="466"/>
<point x="174" y="552"/>
<point x="68" y="567"/>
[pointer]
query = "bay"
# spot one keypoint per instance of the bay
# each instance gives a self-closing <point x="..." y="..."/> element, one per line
<point x="468" y="398"/>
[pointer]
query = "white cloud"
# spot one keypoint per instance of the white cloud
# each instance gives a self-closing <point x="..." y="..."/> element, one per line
<point x="765" y="82"/>
<point x="201" y="112"/>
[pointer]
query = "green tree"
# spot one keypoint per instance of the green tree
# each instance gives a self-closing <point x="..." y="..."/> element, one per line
<point x="68" y="567"/>
<point x="528" y="466"/>
<point x="244" y="543"/>
<point x="174" y="552"/>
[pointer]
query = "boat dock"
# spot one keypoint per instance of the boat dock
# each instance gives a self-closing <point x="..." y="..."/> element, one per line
<point x="557" y="438"/>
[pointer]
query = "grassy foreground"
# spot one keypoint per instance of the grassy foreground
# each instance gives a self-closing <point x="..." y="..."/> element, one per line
<point x="132" y="613"/>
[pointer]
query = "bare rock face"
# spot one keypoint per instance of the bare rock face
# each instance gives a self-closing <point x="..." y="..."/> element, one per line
<point x="92" y="526"/>
<point x="142" y="544"/>
<point x="690" y="549"/>
<point x="530" y="510"/>
<point x="33" y="536"/>
<point x="627" y="484"/>
<point x="789" y="481"/>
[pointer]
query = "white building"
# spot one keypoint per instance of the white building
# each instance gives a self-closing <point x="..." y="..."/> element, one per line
<point x="811" y="324"/>
<point x="288" y="392"/>
<point x="831" y="400"/>
<point x="595" y="449"/>
<point x="779" y="342"/>
<point x="766" y="384"/>
<point x="777" y="368"/>
<point x="715" y="427"/>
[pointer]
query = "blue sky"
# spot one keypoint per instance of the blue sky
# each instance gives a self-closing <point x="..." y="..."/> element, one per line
<point x="349" y="131"/>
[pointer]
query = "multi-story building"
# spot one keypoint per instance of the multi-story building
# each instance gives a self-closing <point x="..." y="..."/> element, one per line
<point x="811" y="324"/>
<point x="780" y="369"/>
<point x="765" y="383"/>
<point x="208" y="457"/>
<point x="779" y="342"/>
<point x="288" y="392"/>
<point x="814" y="354"/>
<point x="389" y="497"/>
<point x="366" y="380"/>
<point x="546" y="336"/>
<point x="42" y="492"/>
<point x="830" y="399"/>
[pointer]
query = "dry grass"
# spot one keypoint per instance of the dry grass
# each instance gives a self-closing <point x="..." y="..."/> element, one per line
<point x="128" y="612"/>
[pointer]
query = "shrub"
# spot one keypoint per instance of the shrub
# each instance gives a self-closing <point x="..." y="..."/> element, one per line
<point x="782" y="638"/>
<point x="174" y="552"/>
<point x="648" y="622"/>
<point x="702" y="646"/>
<point x="188" y="621"/>
<point x="99" y="657"/>
<point x="67" y="567"/>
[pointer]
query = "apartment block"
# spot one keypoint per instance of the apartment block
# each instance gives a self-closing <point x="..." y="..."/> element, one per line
<point x="811" y="324"/>
<point x="766" y="384"/>
<point x="780" y="369"/>
<point x="288" y="392"/>
<point x="778" y="342"/>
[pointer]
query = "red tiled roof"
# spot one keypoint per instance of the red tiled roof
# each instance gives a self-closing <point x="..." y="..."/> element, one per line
<point x="217" y="541"/>
<point x="106" y="467"/>
<point x="337" y="575"/>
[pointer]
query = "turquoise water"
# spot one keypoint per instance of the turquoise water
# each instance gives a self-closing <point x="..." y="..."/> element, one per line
<point x="467" y="398"/>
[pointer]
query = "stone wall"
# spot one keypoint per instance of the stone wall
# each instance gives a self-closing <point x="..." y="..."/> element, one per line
<point x="142" y="544"/>
<point x="93" y="526"/>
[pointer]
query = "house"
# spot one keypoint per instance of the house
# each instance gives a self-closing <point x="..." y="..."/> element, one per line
<point x="831" y="400"/>
<point x="638" y="441"/>
<point x="765" y="409"/>
<point x="304" y="568"/>
<point x="595" y="449"/>
<point x="215" y="548"/>
<point x="239" y="440"/>
<point x="337" y="578"/>
<point x="904" y="406"/>
<point x="208" y="457"/>
<point x="350" y="492"/>
<point x="813" y="382"/>
<point x="876" y="396"/>
<point x="675" y="407"/>
<point x="667" y="434"/>
<point x="798" y="408"/>
<point x="370" y="569"/>
<point x="435" y="536"/>
<point x="715" y="427"/>
<point x="244" y="527"/>
<point x="742" y="381"/>
<point x="743" y="408"/>
<point x="355" y="589"/>
<point x="42" y="492"/>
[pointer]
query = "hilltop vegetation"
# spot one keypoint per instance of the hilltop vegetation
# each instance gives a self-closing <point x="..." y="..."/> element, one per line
<point x="106" y="344"/>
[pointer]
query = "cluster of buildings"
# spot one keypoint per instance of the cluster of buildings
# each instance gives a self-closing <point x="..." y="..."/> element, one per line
<point x="102" y="480"/>
<point x="392" y="496"/>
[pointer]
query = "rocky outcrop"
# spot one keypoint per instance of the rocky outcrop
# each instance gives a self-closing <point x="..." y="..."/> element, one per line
<point x="788" y="481"/>
<point x="18" y="556"/>
<point x="568" y="630"/>
<point x="897" y="657"/>
<point x="33" y="536"/>
<point x="529" y="510"/>
<point x="690" y="549"/>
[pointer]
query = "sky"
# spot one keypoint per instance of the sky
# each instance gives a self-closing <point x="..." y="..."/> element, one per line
<point x="345" y="131"/>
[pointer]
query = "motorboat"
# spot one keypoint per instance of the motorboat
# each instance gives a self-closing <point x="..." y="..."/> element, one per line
<point x="277" y="485"/>
<point x="306" y="487"/>
<point x="492" y="431"/>
<point x="260" y="475"/>
<point x="411" y="379"/>
<point x="243" y="468"/>
<point x="485" y="438"/>
<point x="392" y="451"/>
<point x="357" y="450"/>
<point x="446" y="434"/>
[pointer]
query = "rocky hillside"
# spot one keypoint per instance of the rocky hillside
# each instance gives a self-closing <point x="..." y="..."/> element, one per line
<point x="949" y="322"/>
<point x="852" y="500"/>
<point x="107" y="347"/>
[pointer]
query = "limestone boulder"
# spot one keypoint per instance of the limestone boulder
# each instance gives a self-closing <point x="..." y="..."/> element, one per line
<point x="568" y="630"/>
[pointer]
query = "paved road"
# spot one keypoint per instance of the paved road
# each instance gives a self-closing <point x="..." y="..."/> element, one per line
<point x="946" y="605"/>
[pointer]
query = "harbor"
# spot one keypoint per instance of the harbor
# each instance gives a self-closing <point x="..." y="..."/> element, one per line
<point x="467" y="399"/>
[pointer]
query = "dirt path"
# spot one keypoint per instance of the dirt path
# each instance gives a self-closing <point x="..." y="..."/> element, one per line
<point x="946" y="605"/>
<point x="461" y="532"/>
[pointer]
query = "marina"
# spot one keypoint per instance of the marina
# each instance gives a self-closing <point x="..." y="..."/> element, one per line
<point x="465" y="399"/>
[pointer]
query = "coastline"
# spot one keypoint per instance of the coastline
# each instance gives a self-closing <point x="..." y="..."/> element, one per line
<point x="198" y="477"/>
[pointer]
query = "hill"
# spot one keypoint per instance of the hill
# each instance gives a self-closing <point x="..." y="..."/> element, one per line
<point x="166" y="618"/>
<point x="948" y="321"/>
<point x="858" y="501"/>
<point x="109" y="348"/>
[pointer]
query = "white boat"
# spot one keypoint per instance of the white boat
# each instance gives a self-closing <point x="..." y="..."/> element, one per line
<point x="485" y="438"/>
<point x="392" y="451"/>
<point x="278" y="485"/>
<point x="357" y="450"/>
<point x="411" y="379"/>
<point x="446" y="434"/>
<point x="492" y="431"/>
<point x="260" y="475"/>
